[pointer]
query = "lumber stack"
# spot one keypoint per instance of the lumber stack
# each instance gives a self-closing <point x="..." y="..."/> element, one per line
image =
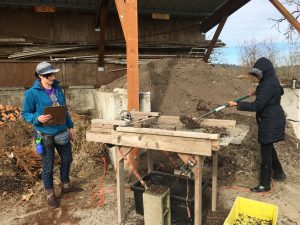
<point x="9" y="113"/>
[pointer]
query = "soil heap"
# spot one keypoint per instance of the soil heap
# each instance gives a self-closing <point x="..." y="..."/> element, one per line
<point x="186" y="85"/>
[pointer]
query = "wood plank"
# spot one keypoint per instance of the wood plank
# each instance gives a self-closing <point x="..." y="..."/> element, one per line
<point x="138" y="113"/>
<point x="168" y="119"/>
<point x="102" y="130"/>
<point x="169" y="133"/>
<point x="161" y="142"/>
<point x="198" y="190"/>
<point x="146" y="120"/>
<point x="218" y="123"/>
<point x="214" y="180"/>
<point x="99" y="125"/>
<point x="98" y="137"/>
<point x="111" y="122"/>
<point x="120" y="187"/>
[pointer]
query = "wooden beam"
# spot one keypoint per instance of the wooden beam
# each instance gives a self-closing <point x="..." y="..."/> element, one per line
<point x="139" y="113"/>
<point x="100" y="125"/>
<point x="146" y="120"/>
<point x="149" y="161"/>
<point x="215" y="39"/>
<point x="132" y="55"/>
<point x="169" y="133"/>
<point x="160" y="142"/>
<point x="102" y="130"/>
<point x="214" y="180"/>
<point x="120" y="187"/>
<point x="128" y="15"/>
<point x="121" y="8"/>
<point x="198" y="190"/>
<point x="111" y="122"/>
<point x="286" y="14"/>
<point x="103" y="16"/>
<point x="98" y="137"/>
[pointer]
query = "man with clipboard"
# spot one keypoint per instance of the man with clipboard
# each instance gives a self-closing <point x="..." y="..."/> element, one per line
<point x="45" y="108"/>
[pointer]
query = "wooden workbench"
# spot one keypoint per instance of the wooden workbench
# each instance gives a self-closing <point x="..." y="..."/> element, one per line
<point x="184" y="143"/>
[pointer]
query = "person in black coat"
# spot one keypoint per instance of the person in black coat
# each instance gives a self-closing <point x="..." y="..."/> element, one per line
<point x="270" y="119"/>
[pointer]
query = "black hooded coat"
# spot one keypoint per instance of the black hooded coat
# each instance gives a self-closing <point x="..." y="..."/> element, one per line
<point x="269" y="113"/>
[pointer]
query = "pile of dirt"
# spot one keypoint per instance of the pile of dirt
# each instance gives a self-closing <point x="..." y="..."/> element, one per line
<point x="186" y="85"/>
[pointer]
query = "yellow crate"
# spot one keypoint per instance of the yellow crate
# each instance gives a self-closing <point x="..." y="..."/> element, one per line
<point x="251" y="209"/>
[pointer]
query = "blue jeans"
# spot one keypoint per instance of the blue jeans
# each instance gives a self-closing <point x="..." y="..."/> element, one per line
<point x="65" y="153"/>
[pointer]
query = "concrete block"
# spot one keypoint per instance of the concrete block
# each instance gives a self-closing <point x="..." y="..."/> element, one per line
<point x="296" y="127"/>
<point x="108" y="105"/>
<point x="290" y="102"/>
<point x="157" y="208"/>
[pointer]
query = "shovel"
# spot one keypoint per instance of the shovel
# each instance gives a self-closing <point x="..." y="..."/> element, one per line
<point x="190" y="121"/>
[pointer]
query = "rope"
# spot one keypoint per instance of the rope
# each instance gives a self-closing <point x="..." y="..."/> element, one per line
<point x="133" y="170"/>
<point x="247" y="190"/>
<point x="99" y="195"/>
<point x="187" y="198"/>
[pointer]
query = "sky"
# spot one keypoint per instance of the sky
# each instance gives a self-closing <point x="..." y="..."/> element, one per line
<point x="252" y="21"/>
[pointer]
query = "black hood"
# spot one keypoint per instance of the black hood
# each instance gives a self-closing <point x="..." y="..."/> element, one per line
<point x="266" y="67"/>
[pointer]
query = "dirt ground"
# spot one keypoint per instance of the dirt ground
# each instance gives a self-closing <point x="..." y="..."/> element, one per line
<point x="176" y="86"/>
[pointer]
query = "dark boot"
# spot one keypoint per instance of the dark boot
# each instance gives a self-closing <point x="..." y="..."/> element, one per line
<point x="67" y="188"/>
<point x="278" y="174"/>
<point x="51" y="199"/>
<point x="265" y="180"/>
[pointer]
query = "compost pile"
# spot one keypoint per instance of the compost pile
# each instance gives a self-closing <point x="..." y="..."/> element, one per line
<point x="186" y="85"/>
<point x="21" y="166"/>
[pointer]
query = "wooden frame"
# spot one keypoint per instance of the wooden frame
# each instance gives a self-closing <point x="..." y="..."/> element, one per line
<point x="182" y="142"/>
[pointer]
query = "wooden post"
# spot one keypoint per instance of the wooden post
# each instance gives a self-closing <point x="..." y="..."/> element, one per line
<point x="215" y="39"/>
<point x="286" y="14"/>
<point x="149" y="161"/>
<point x="132" y="54"/>
<point x="129" y="20"/>
<point x="120" y="185"/>
<point x="198" y="190"/>
<point x="214" y="180"/>
<point x="103" y="16"/>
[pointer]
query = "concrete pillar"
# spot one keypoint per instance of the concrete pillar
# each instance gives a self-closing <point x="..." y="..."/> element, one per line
<point x="156" y="201"/>
<point x="290" y="102"/>
<point x="108" y="105"/>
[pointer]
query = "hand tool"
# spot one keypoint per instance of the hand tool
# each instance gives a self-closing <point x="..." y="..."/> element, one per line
<point x="194" y="122"/>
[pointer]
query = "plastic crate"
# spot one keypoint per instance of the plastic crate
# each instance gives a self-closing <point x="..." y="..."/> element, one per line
<point x="250" y="209"/>
<point x="177" y="195"/>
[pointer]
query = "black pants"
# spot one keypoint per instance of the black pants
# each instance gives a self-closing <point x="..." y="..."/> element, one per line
<point x="270" y="162"/>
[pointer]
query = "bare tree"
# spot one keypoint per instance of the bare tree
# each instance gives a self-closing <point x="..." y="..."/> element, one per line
<point x="289" y="32"/>
<point x="252" y="50"/>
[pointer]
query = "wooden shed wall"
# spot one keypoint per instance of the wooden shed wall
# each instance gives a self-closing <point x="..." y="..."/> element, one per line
<point x="78" y="27"/>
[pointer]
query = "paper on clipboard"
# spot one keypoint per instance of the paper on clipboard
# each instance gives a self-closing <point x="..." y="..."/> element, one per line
<point x="58" y="114"/>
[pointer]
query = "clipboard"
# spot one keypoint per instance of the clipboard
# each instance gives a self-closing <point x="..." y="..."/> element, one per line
<point x="58" y="114"/>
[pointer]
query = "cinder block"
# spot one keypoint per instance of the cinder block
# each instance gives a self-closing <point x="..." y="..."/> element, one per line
<point x="156" y="202"/>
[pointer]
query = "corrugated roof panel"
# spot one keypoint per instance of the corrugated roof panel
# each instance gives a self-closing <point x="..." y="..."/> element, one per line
<point x="198" y="9"/>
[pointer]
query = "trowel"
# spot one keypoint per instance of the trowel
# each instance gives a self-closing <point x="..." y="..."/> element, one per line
<point x="194" y="121"/>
